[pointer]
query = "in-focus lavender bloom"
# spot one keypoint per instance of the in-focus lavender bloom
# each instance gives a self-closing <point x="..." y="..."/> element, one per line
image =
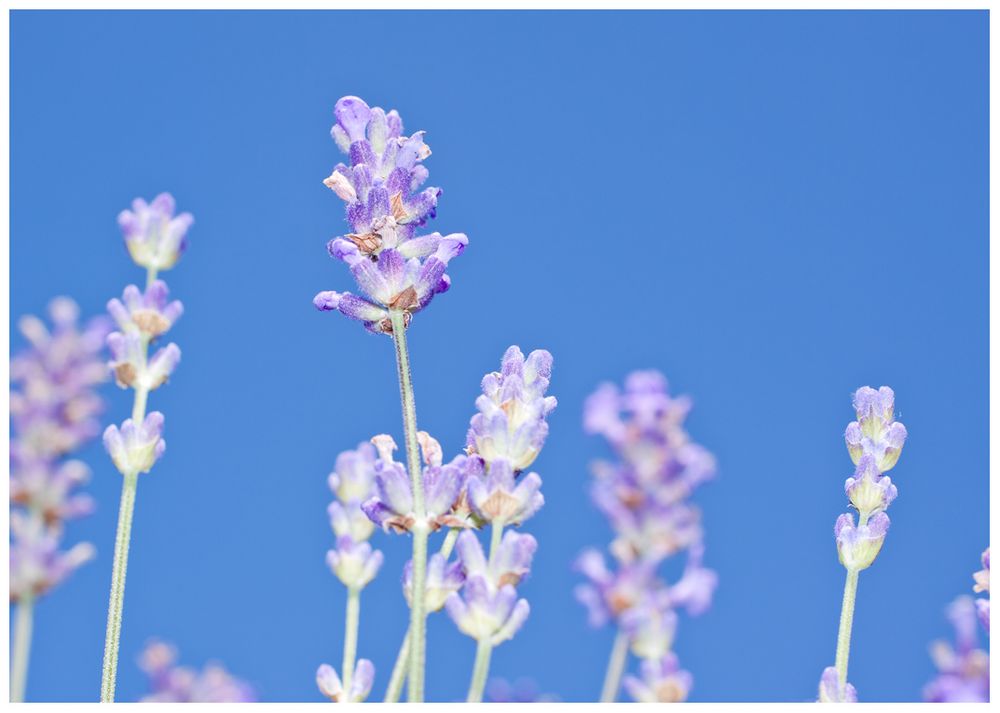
<point x="54" y="410"/>
<point x="644" y="494"/>
<point x="859" y="546"/>
<point x="149" y="314"/>
<point x="982" y="579"/>
<point x="131" y="367"/>
<point x="154" y="236"/>
<point x="510" y="424"/>
<point x="963" y="669"/>
<point x="170" y="683"/>
<point x="134" y="449"/>
<point x="36" y="562"/>
<point x="354" y="563"/>
<point x="523" y="690"/>
<point x="496" y="497"/>
<point x="330" y="685"/>
<point x="444" y="484"/>
<point x="393" y="266"/>
<point x="830" y="690"/>
<point x="443" y="579"/>
<point x="662" y="681"/>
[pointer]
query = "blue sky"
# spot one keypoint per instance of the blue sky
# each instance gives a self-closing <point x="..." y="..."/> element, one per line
<point x="771" y="208"/>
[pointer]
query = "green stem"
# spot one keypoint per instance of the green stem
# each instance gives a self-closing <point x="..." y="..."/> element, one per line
<point x="351" y="636"/>
<point x="480" y="669"/>
<point x="395" y="686"/>
<point x="420" y="531"/>
<point x="616" y="667"/>
<point x="846" y="621"/>
<point x="22" y="648"/>
<point x="116" y="601"/>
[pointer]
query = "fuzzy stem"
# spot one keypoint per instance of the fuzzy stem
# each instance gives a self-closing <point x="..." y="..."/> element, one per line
<point x="420" y="532"/>
<point x="395" y="686"/>
<point x="616" y="667"/>
<point x="116" y="600"/>
<point x="846" y="621"/>
<point x="480" y="669"/>
<point x="352" y="618"/>
<point x="22" y="648"/>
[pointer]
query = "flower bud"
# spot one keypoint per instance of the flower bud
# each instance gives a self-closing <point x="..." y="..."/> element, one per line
<point x="134" y="449"/>
<point x="859" y="546"/>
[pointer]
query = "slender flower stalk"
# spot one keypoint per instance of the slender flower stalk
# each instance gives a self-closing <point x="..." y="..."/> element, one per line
<point x="644" y="494"/>
<point x="155" y="239"/>
<point x="874" y="442"/>
<point x="54" y="410"/>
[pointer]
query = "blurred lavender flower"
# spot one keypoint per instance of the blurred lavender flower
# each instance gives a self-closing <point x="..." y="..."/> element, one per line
<point x="134" y="449"/>
<point x="169" y="683"/>
<point x="392" y="505"/>
<point x="662" y="681"/>
<point x="394" y="267"/>
<point x="487" y="612"/>
<point x="352" y="482"/>
<point x="982" y="579"/>
<point x="443" y="579"/>
<point x="963" y="669"/>
<point x="644" y="495"/>
<point x="330" y="685"/>
<point x="148" y="314"/>
<point x="154" y="236"/>
<point x="523" y="690"/>
<point x="54" y="410"/>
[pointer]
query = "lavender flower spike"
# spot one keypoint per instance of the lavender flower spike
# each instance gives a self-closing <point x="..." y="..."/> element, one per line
<point x="395" y="268"/>
<point x="361" y="683"/>
<point x="511" y="423"/>
<point x="392" y="506"/>
<point x="134" y="449"/>
<point x="36" y="563"/>
<point x="154" y="236"/>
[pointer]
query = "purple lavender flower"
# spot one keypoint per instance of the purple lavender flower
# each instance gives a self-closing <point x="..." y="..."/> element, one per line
<point x="511" y="425"/>
<point x="875" y="433"/>
<point x="964" y="669"/>
<point x="443" y="579"/>
<point x="830" y="690"/>
<point x="662" y="681"/>
<point x="134" y="449"/>
<point x="353" y="476"/>
<point x="394" y="267"/>
<point x="170" y="683"/>
<point x="48" y="488"/>
<point x="982" y="579"/>
<point x="644" y="493"/>
<point x="484" y="611"/>
<point x="858" y="546"/>
<point x="155" y="238"/>
<point x="392" y="506"/>
<point x="36" y="563"/>
<point x="495" y="496"/>
<point x="148" y="314"/>
<point x="510" y="563"/>
<point x="330" y="685"/>
<point x="354" y="563"/>
<point x="130" y="366"/>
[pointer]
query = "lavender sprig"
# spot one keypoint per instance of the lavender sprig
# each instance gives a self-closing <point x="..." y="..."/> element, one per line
<point x="54" y="410"/>
<point x="354" y="563"/>
<point x="874" y="442"/>
<point x="399" y="272"/>
<point x="155" y="239"/>
<point x="644" y="494"/>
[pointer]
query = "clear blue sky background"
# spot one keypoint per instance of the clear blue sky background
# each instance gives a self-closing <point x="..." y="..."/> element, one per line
<point x="772" y="208"/>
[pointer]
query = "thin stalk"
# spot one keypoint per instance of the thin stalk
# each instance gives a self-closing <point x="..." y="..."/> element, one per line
<point x="116" y="601"/>
<point x="352" y="618"/>
<point x="418" y="609"/>
<point x="22" y="648"/>
<point x="480" y="669"/>
<point x="846" y="622"/>
<point x="616" y="667"/>
<point x="395" y="686"/>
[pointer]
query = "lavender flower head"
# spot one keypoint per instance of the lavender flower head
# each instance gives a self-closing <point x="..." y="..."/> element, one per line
<point x="353" y="560"/>
<point x="394" y="267"/>
<point x="444" y="483"/>
<point x="644" y="494"/>
<point x="54" y="410"/>
<point x="154" y="236"/>
<point x="963" y="668"/>
<point x="330" y="685"/>
<point x="170" y="683"/>
<point x="874" y="442"/>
